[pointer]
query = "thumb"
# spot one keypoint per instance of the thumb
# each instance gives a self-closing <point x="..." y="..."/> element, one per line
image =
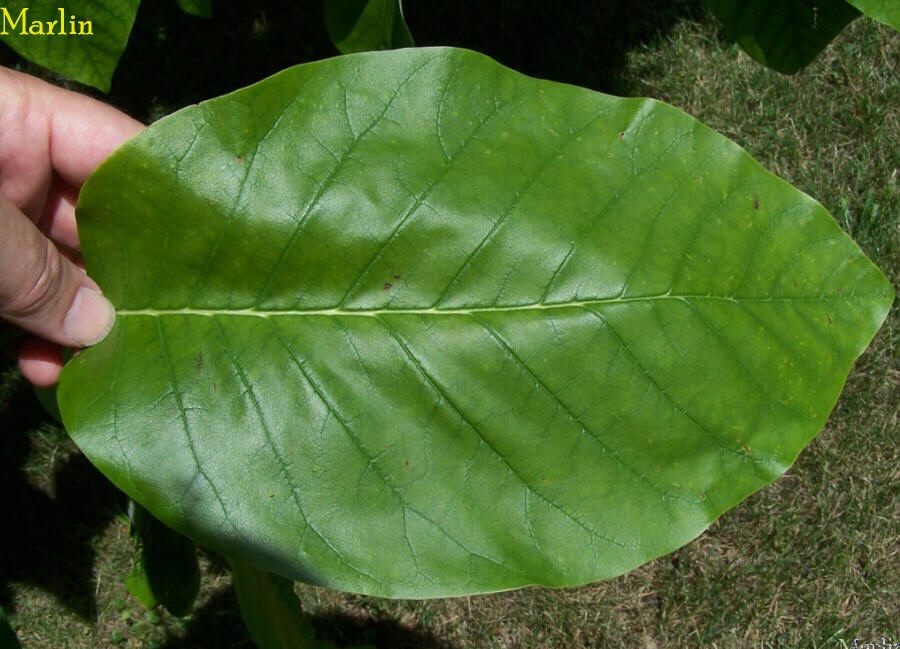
<point x="43" y="292"/>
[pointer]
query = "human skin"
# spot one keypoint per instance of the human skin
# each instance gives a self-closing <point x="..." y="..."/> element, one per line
<point x="51" y="140"/>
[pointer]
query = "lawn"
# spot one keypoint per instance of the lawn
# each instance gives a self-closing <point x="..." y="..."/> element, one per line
<point x="808" y="562"/>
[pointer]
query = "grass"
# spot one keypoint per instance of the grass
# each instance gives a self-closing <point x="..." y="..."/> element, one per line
<point x="807" y="562"/>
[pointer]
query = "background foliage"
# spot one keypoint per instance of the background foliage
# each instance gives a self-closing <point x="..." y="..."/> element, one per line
<point x="88" y="59"/>
<point x="805" y="562"/>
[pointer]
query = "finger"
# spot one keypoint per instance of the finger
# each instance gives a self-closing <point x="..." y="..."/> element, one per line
<point x="74" y="256"/>
<point x="82" y="131"/>
<point x="40" y="362"/>
<point x="43" y="292"/>
<point x="58" y="220"/>
<point x="24" y="145"/>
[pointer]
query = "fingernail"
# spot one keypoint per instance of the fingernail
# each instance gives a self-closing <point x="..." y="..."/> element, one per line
<point x="90" y="317"/>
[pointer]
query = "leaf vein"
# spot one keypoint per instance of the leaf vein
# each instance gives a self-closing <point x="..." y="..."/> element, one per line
<point x="182" y="412"/>
<point x="442" y="392"/>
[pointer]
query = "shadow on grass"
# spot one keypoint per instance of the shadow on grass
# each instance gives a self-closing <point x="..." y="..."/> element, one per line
<point x="347" y="631"/>
<point x="217" y="625"/>
<point x="583" y="43"/>
<point x="47" y="541"/>
<point x="174" y="60"/>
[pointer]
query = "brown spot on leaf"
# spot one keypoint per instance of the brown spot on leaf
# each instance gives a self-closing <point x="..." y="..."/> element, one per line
<point x="756" y="202"/>
<point x="388" y="286"/>
<point x="198" y="361"/>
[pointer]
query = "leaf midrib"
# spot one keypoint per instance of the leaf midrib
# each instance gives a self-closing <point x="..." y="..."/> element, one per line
<point x="553" y="306"/>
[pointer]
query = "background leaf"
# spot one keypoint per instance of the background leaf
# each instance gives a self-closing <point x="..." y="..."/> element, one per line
<point x="8" y="639"/>
<point x="785" y="35"/>
<point x="271" y="610"/>
<point x="89" y="59"/>
<point x="201" y="8"/>
<point x="366" y="25"/>
<point x="166" y="572"/>
<point x="412" y="324"/>
<point x="47" y="398"/>
<point x="885" y="11"/>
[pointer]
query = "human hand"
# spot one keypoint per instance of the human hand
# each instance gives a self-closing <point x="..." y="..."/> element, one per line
<point x="50" y="141"/>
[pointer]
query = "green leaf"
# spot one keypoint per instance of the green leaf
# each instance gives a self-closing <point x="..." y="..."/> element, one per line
<point x="8" y="639"/>
<point x="47" y="399"/>
<point x="166" y="572"/>
<point x="885" y="11"/>
<point x="785" y="35"/>
<point x="202" y="8"/>
<point x="366" y="25"/>
<point x="85" y="54"/>
<point x="412" y="324"/>
<point x="271" y="610"/>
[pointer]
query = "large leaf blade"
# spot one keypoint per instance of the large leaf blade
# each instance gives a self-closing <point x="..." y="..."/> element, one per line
<point x="86" y="54"/>
<point x="884" y="11"/>
<point x="412" y="324"/>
